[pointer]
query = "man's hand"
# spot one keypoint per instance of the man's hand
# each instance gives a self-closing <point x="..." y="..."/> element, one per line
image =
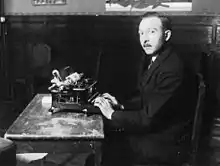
<point x="112" y="100"/>
<point x="104" y="106"/>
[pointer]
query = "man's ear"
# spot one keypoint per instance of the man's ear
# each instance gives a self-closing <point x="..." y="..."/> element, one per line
<point x="167" y="35"/>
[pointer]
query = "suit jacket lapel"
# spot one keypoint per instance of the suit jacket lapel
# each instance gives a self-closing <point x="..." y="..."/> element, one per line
<point x="148" y="73"/>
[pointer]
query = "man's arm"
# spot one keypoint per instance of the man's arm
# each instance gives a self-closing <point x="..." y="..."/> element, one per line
<point x="154" y="102"/>
<point x="133" y="102"/>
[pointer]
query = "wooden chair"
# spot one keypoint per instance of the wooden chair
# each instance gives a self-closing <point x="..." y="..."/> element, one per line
<point x="196" y="128"/>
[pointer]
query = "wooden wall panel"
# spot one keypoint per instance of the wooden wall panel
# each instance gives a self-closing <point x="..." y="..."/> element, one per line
<point x="194" y="19"/>
<point x="192" y="34"/>
<point x="78" y="40"/>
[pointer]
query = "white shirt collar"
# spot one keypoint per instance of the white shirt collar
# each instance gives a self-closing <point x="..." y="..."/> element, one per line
<point x="154" y="58"/>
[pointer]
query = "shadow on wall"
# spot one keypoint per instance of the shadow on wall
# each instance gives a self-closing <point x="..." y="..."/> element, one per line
<point x="40" y="57"/>
<point x="39" y="60"/>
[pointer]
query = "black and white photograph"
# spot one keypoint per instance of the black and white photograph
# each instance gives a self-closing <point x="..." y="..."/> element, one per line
<point x="109" y="83"/>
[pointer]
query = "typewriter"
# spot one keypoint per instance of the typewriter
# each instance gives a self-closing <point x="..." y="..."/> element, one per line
<point x="71" y="91"/>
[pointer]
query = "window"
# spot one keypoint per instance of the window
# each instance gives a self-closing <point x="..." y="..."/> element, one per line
<point x="148" y="5"/>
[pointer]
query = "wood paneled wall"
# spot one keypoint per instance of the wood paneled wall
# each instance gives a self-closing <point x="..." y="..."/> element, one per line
<point x="78" y="40"/>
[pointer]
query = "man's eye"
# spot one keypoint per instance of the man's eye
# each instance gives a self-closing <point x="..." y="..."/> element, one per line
<point x="152" y="31"/>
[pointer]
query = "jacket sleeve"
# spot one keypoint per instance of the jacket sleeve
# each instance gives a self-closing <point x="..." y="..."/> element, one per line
<point x="133" y="102"/>
<point x="153" y="100"/>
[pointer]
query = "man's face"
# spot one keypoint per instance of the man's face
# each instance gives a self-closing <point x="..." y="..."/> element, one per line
<point x="151" y="35"/>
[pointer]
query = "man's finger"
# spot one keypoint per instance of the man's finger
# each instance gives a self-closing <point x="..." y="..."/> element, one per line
<point x="105" y="104"/>
<point x="99" y="106"/>
<point x="111" y="98"/>
<point x="108" y="95"/>
<point x="105" y="94"/>
<point x="97" y="99"/>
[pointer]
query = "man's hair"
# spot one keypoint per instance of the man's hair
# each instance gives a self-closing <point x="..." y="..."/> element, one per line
<point x="166" y="22"/>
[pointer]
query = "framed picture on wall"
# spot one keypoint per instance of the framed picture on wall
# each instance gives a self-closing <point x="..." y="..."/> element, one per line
<point x="148" y="5"/>
<point x="48" y="2"/>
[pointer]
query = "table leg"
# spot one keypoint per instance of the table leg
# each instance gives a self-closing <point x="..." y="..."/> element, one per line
<point x="96" y="151"/>
<point x="42" y="162"/>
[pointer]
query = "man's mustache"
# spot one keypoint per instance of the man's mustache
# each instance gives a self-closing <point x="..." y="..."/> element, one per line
<point x="147" y="45"/>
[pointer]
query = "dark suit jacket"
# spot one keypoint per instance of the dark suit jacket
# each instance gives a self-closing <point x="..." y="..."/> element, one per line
<point x="167" y="100"/>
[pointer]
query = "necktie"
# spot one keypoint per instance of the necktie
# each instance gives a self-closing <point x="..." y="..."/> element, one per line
<point x="151" y="62"/>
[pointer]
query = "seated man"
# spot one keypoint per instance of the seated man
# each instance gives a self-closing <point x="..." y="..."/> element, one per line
<point x="167" y="98"/>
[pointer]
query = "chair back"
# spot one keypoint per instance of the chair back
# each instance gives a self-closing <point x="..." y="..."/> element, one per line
<point x="197" y="122"/>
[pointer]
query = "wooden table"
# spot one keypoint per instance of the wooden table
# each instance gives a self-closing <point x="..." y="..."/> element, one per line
<point x="36" y="130"/>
